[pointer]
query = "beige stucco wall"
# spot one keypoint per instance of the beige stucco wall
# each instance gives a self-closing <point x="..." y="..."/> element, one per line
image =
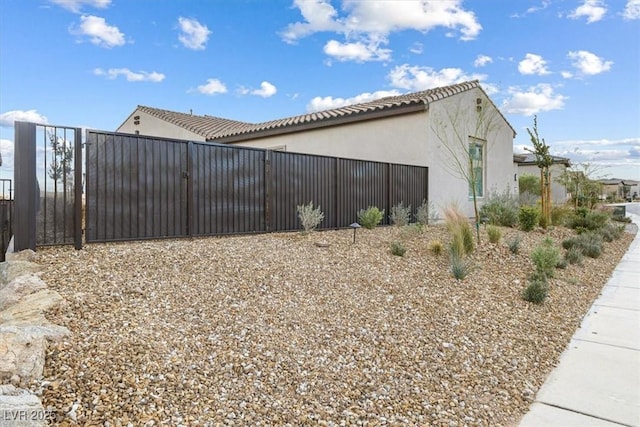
<point x="413" y="139"/>
<point x="152" y="126"/>
<point x="558" y="191"/>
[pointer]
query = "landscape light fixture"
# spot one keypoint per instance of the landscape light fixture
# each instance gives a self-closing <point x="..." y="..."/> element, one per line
<point x="355" y="227"/>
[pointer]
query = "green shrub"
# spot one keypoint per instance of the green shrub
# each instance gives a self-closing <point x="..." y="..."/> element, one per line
<point x="494" y="233"/>
<point x="536" y="291"/>
<point x="528" y="217"/>
<point x="436" y="247"/>
<point x="426" y="213"/>
<point x="461" y="232"/>
<point x="611" y="232"/>
<point x="460" y="267"/>
<point x="545" y="257"/>
<point x="398" y="249"/>
<point x="514" y="244"/>
<point x="573" y="255"/>
<point x="588" y="243"/>
<point x="310" y="218"/>
<point x="400" y="215"/>
<point x="562" y="263"/>
<point x="584" y="219"/>
<point x="369" y="218"/>
<point x="500" y="209"/>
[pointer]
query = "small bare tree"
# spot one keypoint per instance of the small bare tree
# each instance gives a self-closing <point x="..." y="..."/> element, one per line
<point x="544" y="161"/>
<point x="61" y="166"/>
<point x="465" y="133"/>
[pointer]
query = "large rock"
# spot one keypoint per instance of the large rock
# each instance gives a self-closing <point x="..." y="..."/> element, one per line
<point x="30" y="309"/>
<point x="25" y="255"/>
<point x="9" y="270"/>
<point x="22" y="357"/>
<point x="20" y="408"/>
<point x="18" y="288"/>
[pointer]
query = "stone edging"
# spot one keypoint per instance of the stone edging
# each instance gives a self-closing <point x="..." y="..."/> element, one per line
<point x="24" y="332"/>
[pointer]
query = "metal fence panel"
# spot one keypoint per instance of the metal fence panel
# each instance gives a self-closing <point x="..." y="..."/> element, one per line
<point x="136" y="187"/>
<point x="143" y="187"/>
<point x="298" y="179"/>
<point x="361" y="184"/>
<point x="409" y="185"/>
<point x="228" y="190"/>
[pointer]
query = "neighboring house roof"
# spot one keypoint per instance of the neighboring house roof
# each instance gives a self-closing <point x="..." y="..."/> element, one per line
<point x="530" y="159"/>
<point x="612" y="181"/>
<point x="618" y="181"/>
<point x="223" y="130"/>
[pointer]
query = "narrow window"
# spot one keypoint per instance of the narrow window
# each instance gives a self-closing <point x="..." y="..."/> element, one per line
<point x="476" y="165"/>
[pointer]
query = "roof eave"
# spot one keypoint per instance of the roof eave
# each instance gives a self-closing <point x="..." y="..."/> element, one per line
<point x="334" y="121"/>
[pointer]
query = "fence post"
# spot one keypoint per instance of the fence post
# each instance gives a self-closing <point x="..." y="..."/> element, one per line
<point x="188" y="175"/>
<point x="77" y="188"/>
<point x="267" y="190"/>
<point x="26" y="186"/>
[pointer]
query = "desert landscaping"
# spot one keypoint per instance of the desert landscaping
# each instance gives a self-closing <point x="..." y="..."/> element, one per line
<point x="274" y="329"/>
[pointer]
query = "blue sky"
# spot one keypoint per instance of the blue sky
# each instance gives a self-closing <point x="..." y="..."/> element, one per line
<point x="573" y="63"/>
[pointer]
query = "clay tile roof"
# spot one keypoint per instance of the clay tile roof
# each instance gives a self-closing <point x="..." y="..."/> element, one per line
<point x="354" y="112"/>
<point x="201" y="125"/>
<point x="224" y="130"/>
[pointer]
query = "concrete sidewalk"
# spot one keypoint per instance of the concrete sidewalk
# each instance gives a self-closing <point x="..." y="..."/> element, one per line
<point x="597" y="382"/>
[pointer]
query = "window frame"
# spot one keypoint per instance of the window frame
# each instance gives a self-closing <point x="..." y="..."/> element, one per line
<point x="480" y="183"/>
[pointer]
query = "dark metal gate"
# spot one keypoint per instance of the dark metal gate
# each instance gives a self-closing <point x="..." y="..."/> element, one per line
<point x="48" y="186"/>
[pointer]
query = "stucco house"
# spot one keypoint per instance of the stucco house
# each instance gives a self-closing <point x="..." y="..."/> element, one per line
<point x="620" y="189"/>
<point x="526" y="165"/>
<point x="439" y="128"/>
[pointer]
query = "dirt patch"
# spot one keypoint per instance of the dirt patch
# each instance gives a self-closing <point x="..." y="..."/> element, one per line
<point x="274" y="330"/>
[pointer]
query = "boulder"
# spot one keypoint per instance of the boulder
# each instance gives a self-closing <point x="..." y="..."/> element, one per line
<point x="30" y="309"/>
<point x="25" y="255"/>
<point x="9" y="270"/>
<point x="18" y="288"/>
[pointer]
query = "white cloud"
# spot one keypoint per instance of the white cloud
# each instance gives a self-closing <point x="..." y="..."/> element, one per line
<point x="328" y="102"/>
<point x="593" y="10"/>
<point x="416" y="48"/>
<point x="266" y="90"/>
<point x="588" y="63"/>
<point x="632" y="10"/>
<point x="416" y="78"/>
<point x="602" y="152"/>
<point x="532" y="9"/>
<point x="212" y="87"/>
<point x="193" y="35"/>
<point x="76" y="5"/>
<point x="359" y="52"/>
<point x="367" y="24"/>
<point x="131" y="76"/>
<point x="482" y="60"/>
<point x="533" y="100"/>
<point x="318" y="16"/>
<point x="7" y="119"/>
<point x="99" y="32"/>
<point x="533" y="64"/>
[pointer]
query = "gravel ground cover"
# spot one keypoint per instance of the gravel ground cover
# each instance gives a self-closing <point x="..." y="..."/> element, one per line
<point x="274" y="330"/>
